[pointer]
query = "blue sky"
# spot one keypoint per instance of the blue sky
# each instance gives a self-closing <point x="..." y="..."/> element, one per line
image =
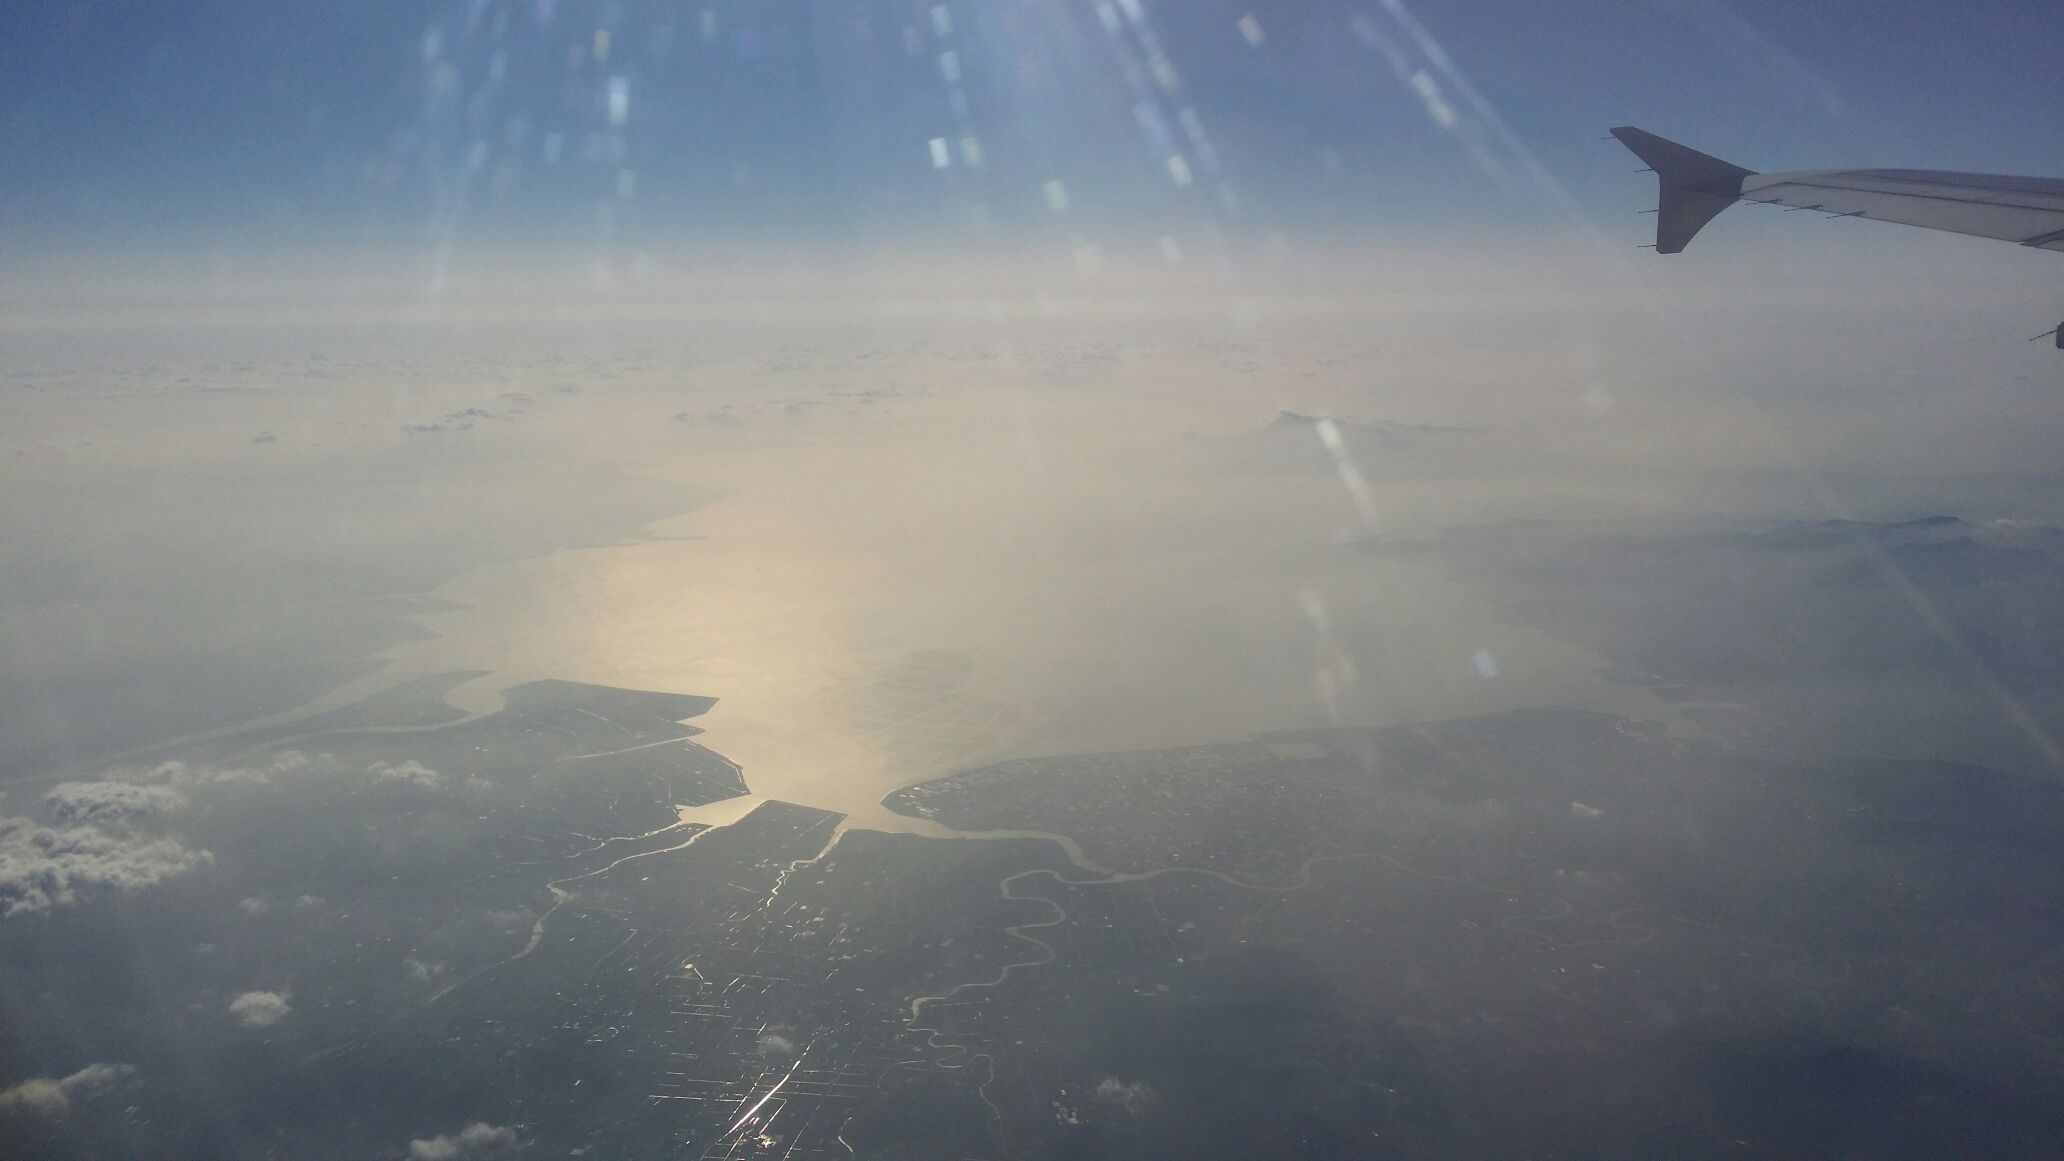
<point x="144" y="126"/>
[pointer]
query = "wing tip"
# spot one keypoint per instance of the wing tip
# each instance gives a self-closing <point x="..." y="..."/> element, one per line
<point x="1692" y="187"/>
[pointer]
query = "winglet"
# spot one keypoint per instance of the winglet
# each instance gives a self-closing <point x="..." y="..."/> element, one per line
<point x="1695" y="187"/>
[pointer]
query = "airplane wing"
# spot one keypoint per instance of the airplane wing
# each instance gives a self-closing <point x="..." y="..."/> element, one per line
<point x="1696" y="187"/>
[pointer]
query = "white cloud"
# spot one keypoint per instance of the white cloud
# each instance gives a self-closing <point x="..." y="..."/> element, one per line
<point x="46" y="1097"/>
<point x="253" y="906"/>
<point x="775" y="1044"/>
<point x="193" y="776"/>
<point x="438" y="1148"/>
<point x="44" y="867"/>
<point x="423" y="971"/>
<point x="294" y="761"/>
<point x="260" y="1009"/>
<point x="1134" y="1097"/>
<point x="413" y="775"/>
<point x="408" y="773"/>
<point x="478" y="1137"/>
<point x="110" y="801"/>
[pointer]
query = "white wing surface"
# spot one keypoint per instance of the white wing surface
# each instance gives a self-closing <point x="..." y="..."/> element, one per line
<point x="1695" y="187"/>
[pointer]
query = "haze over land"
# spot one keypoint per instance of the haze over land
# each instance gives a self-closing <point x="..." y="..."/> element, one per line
<point x="294" y="606"/>
<point x="1072" y="520"/>
<point x="1017" y="581"/>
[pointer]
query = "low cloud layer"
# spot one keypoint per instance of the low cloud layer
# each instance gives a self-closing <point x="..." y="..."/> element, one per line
<point x="1133" y="1097"/>
<point x="120" y="832"/>
<point x="407" y="773"/>
<point x="45" y="867"/>
<point x="260" y="1009"/>
<point x="476" y="1138"/>
<point x="51" y="1098"/>
<point x="195" y="775"/>
<point x="110" y="801"/>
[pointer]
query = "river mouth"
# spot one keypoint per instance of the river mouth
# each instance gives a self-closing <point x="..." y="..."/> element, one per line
<point x="925" y="596"/>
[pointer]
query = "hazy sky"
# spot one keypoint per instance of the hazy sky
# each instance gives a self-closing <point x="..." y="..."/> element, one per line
<point x="1129" y="126"/>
